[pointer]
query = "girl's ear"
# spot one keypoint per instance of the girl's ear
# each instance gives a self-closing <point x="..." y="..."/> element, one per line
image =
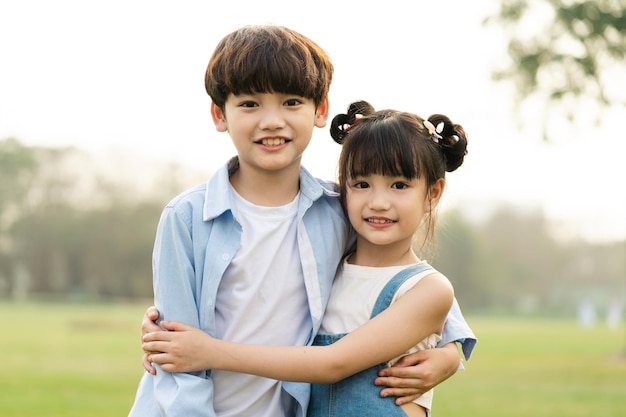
<point x="321" y="114"/>
<point x="435" y="193"/>
<point x="219" y="118"/>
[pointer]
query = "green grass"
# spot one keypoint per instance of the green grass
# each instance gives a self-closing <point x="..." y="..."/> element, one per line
<point x="78" y="360"/>
<point x="533" y="367"/>
<point x="69" y="360"/>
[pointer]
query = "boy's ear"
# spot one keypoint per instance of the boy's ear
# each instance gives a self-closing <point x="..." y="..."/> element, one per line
<point x="321" y="115"/>
<point x="219" y="118"/>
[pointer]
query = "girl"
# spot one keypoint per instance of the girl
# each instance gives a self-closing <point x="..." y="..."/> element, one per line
<point x="385" y="302"/>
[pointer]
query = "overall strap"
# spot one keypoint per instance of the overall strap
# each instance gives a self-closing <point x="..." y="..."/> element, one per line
<point x="386" y="295"/>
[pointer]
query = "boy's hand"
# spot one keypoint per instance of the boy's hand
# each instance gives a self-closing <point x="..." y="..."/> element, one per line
<point x="418" y="372"/>
<point x="148" y="325"/>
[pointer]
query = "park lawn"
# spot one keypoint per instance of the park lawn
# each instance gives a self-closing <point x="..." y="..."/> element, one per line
<point x="538" y="367"/>
<point x="69" y="360"/>
<point x="84" y="360"/>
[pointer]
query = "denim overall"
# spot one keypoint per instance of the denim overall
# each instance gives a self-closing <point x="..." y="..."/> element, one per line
<point x="357" y="396"/>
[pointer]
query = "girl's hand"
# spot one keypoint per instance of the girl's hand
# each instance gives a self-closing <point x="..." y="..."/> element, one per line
<point x="148" y="324"/>
<point x="182" y="348"/>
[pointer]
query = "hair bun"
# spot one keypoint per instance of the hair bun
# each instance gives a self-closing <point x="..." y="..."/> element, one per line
<point x="343" y="122"/>
<point x="453" y="141"/>
<point x="339" y="127"/>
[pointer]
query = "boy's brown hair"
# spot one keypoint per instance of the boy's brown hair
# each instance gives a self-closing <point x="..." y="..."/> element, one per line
<point x="268" y="59"/>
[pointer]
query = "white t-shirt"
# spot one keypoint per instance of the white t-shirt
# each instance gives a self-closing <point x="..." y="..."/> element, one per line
<point x="262" y="300"/>
<point x="352" y="297"/>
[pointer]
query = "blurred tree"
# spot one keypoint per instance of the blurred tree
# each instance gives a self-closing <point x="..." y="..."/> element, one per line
<point x="533" y="260"/>
<point x="17" y="169"/>
<point x="70" y="226"/>
<point x="118" y="248"/>
<point x="566" y="52"/>
<point x="47" y="235"/>
<point x="461" y="250"/>
<point x="512" y="263"/>
<point x="17" y="172"/>
<point x="71" y="232"/>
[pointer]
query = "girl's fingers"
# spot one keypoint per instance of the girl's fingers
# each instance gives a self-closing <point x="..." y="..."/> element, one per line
<point x="156" y="336"/>
<point x="153" y="347"/>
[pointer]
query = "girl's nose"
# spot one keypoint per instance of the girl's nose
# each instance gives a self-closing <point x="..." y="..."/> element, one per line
<point x="378" y="200"/>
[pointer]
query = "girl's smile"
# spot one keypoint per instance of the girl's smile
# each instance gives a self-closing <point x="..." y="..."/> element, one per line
<point x="379" y="221"/>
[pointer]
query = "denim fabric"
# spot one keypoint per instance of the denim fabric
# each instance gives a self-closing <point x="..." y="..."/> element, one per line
<point x="357" y="396"/>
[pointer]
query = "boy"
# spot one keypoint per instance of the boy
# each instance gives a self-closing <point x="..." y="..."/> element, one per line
<point x="251" y="255"/>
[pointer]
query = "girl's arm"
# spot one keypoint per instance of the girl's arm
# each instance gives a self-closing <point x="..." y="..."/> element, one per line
<point x="414" y="316"/>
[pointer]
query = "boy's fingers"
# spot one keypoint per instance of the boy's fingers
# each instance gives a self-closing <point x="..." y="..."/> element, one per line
<point x="411" y="359"/>
<point x="403" y="395"/>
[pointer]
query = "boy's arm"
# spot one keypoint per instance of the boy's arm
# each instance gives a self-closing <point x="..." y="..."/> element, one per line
<point x="417" y="373"/>
<point x="174" y="296"/>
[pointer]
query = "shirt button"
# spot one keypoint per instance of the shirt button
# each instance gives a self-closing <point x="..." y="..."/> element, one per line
<point x="225" y="257"/>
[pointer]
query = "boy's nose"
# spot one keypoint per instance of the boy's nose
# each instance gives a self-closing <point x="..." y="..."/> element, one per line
<point x="272" y="120"/>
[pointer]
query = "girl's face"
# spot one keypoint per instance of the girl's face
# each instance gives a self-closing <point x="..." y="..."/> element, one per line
<point x="387" y="211"/>
<point x="269" y="130"/>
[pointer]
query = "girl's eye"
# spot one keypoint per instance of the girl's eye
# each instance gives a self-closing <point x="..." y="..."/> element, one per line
<point x="360" y="184"/>
<point x="399" y="185"/>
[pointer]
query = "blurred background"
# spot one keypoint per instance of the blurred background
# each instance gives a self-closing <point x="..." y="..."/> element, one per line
<point x="104" y="118"/>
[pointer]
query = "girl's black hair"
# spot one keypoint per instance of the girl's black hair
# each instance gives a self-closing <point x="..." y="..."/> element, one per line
<point x="390" y="142"/>
<point x="395" y="143"/>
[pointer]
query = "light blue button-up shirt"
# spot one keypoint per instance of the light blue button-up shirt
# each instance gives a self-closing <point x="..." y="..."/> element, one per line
<point x="197" y="237"/>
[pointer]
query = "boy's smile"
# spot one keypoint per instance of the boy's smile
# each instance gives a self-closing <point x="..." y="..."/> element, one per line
<point x="269" y="130"/>
<point x="273" y="142"/>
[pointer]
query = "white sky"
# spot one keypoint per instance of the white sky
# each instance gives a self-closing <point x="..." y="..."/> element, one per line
<point x="127" y="76"/>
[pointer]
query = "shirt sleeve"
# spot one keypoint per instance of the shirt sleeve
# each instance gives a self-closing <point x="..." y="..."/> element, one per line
<point x="456" y="329"/>
<point x="176" y="297"/>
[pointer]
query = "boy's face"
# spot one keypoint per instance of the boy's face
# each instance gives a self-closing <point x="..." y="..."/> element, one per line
<point x="269" y="130"/>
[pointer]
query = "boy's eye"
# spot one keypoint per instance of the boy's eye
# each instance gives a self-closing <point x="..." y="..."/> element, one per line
<point x="293" y="102"/>
<point x="247" y="104"/>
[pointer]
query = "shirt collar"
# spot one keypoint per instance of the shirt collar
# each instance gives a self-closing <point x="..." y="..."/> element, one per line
<point x="218" y="198"/>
